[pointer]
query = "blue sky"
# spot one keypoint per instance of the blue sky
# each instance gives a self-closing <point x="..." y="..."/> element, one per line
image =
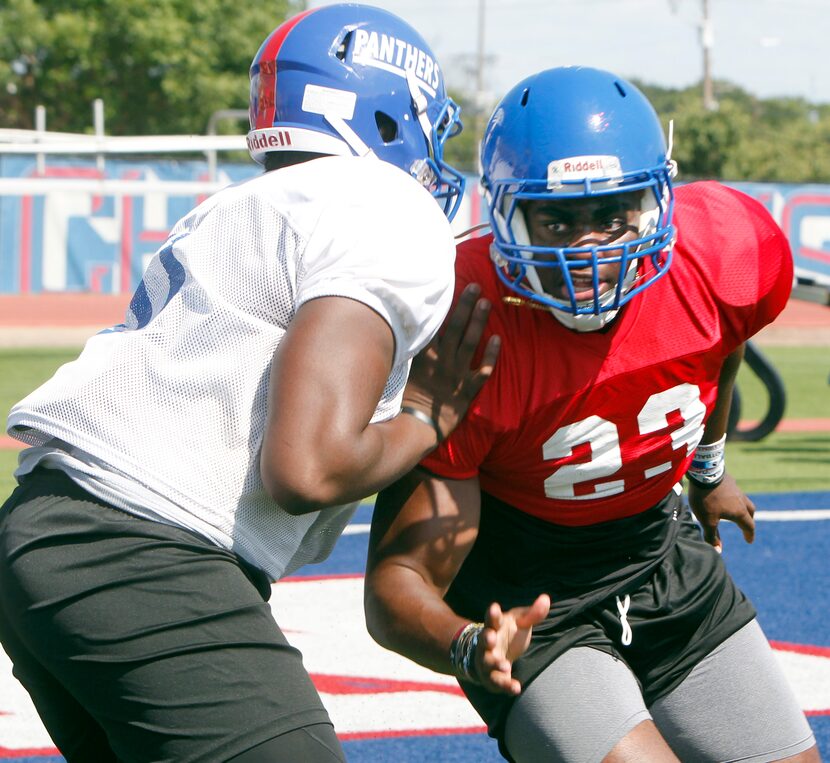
<point x="768" y="47"/>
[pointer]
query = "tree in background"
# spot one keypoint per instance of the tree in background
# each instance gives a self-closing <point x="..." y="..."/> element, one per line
<point x="462" y="150"/>
<point x="777" y="140"/>
<point x="160" y="66"/>
<point x="164" y="66"/>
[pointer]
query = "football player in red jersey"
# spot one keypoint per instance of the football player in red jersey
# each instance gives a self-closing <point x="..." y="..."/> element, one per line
<point x="611" y="630"/>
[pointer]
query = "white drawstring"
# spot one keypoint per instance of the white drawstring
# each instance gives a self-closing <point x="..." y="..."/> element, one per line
<point x="622" y="608"/>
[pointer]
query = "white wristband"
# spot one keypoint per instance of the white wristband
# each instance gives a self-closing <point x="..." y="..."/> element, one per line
<point x="708" y="464"/>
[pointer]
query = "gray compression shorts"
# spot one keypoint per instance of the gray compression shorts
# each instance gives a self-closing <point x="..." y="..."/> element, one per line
<point x="735" y="705"/>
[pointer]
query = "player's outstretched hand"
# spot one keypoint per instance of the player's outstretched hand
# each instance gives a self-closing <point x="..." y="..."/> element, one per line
<point x="442" y="382"/>
<point x="726" y="501"/>
<point x="505" y="638"/>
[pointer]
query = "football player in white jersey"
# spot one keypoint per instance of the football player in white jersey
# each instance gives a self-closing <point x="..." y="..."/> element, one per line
<point x="220" y="438"/>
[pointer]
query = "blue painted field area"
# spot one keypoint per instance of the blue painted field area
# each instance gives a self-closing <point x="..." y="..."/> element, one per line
<point x="388" y="709"/>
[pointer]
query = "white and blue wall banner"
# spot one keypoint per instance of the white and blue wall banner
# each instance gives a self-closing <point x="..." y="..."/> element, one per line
<point x="57" y="238"/>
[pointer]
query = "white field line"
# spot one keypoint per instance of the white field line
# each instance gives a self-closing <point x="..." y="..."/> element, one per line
<point x="356" y="529"/>
<point x="785" y="515"/>
<point x="793" y="515"/>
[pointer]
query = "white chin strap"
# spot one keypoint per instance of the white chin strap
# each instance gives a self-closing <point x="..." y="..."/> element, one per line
<point x="351" y="138"/>
<point x="421" y="103"/>
<point x="585" y="321"/>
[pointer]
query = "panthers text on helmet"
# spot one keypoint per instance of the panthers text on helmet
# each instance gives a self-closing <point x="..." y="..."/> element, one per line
<point x="373" y="49"/>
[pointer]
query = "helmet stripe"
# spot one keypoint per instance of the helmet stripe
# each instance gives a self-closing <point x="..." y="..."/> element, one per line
<point x="268" y="74"/>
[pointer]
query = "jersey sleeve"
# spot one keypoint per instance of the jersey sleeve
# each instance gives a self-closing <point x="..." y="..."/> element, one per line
<point x="389" y="246"/>
<point x="743" y="256"/>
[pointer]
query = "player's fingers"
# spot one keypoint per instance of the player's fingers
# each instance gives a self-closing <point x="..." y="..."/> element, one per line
<point x="495" y="649"/>
<point x="459" y="318"/>
<point x="491" y="355"/>
<point x="494" y="617"/>
<point x="494" y="659"/>
<point x="747" y="525"/>
<point x="504" y="682"/>
<point x="475" y="380"/>
<point x="712" y="536"/>
<point x="490" y="636"/>
<point x="473" y="331"/>
<point x="527" y="617"/>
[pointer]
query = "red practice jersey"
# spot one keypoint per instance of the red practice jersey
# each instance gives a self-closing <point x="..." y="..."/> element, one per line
<point x="582" y="428"/>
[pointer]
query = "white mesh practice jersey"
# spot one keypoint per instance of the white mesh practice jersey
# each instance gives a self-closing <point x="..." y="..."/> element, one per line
<point x="164" y="416"/>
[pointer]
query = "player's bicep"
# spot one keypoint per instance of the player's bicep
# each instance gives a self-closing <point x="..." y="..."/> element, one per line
<point x="326" y="379"/>
<point x="425" y="524"/>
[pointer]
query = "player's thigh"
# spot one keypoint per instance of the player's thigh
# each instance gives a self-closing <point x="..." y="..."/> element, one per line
<point x="736" y="704"/>
<point x="578" y="709"/>
<point x="72" y="729"/>
<point x="158" y="635"/>
<point x="69" y="725"/>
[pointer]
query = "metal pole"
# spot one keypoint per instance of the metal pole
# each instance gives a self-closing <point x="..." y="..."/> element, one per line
<point x="211" y="130"/>
<point x="40" y="126"/>
<point x="479" y="125"/>
<point x="707" y="41"/>
<point x="98" y="118"/>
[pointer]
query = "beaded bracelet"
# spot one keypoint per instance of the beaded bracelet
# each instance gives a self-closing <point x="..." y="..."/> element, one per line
<point x="463" y="651"/>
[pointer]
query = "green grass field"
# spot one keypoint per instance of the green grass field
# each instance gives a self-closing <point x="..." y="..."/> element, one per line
<point x="784" y="461"/>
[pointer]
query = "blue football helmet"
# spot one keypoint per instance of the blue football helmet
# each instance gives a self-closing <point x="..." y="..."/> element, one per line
<point x="575" y="132"/>
<point x="350" y="79"/>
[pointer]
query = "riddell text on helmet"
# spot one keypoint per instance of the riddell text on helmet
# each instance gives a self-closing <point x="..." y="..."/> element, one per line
<point x="271" y="139"/>
<point x="578" y="167"/>
<point x="374" y="49"/>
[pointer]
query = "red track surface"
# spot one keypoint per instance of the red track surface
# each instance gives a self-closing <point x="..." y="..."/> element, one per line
<point x="62" y="310"/>
<point x="66" y="309"/>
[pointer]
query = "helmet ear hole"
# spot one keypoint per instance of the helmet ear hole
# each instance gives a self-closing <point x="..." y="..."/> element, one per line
<point x="387" y="127"/>
<point x="343" y="47"/>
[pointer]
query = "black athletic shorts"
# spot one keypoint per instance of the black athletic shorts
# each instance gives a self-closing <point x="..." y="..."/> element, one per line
<point x="681" y="601"/>
<point x="139" y="641"/>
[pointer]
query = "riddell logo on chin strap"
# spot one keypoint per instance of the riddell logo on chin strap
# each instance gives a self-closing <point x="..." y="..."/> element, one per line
<point x="272" y="139"/>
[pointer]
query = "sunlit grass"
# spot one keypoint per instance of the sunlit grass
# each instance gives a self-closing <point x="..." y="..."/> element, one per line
<point x="784" y="461"/>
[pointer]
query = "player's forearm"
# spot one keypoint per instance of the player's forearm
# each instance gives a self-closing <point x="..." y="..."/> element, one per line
<point x="408" y="616"/>
<point x="708" y="467"/>
<point x="717" y="423"/>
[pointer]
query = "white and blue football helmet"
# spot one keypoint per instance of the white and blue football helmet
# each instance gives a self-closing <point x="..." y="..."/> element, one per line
<point x="349" y="79"/>
<point x="575" y="132"/>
